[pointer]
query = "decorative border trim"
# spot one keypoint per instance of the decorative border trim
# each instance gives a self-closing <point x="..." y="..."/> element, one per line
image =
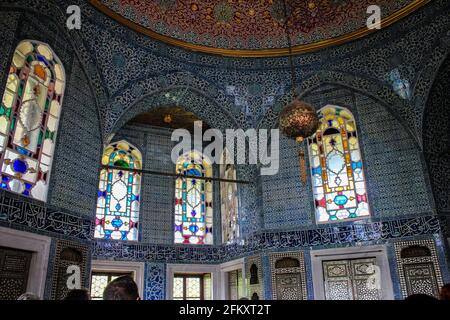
<point x="23" y="214"/>
<point x="329" y="236"/>
<point x="396" y="16"/>
<point x="301" y="270"/>
<point x="36" y="216"/>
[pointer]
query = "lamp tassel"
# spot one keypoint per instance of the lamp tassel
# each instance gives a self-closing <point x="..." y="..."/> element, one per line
<point x="301" y="159"/>
<point x="302" y="162"/>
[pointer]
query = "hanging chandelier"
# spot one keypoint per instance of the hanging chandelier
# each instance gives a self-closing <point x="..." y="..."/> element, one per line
<point x="298" y="120"/>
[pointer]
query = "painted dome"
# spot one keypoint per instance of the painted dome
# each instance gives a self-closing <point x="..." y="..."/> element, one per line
<point x="252" y="27"/>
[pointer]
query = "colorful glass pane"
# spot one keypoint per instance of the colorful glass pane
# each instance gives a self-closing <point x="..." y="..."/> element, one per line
<point x="193" y="201"/>
<point x="27" y="127"/>
<point x="118" y="197"/>
<point x="336" y="168"/>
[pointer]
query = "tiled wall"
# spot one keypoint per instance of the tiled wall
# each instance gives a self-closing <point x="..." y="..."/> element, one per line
<point x="393" y="164"/>
<point x="74" y="180"/>
<point x="287" y="202"/>
<point x="155" y="281"/>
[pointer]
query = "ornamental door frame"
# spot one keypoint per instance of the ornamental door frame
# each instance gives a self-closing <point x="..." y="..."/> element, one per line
<point x="379" y="252"/>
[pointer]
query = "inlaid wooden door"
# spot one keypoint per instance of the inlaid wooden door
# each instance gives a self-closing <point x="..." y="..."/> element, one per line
<point x="14" y="271"/>
<point x="350" y="279"/>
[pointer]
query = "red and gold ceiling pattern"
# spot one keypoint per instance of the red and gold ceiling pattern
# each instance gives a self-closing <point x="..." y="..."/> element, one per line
<point x="252" y="27"/>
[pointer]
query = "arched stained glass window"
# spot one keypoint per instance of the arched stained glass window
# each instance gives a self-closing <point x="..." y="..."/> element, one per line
<point x="193" y="201"/>
<point x="229" y="201"/>
<point x="29" y="117"/>
<point x="336" y="167"/>
<point x="119" y="193"/>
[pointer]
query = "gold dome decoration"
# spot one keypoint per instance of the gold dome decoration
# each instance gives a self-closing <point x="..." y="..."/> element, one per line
<point x="390" y="19"/>
<point x="298" y="120"/>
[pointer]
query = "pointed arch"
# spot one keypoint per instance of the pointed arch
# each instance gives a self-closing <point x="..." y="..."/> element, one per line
<point x="337" y="174"/>
<point x="193" y="200"/>
<point x="118" y="199"/>
<point x="29" y="119"/>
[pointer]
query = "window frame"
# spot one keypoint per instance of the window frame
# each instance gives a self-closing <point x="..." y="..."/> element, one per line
<point x="308" y="143"/>
<point x="138" y="163"/>
<point x="207" y="165"/>
<point x="59" y="80"/>
<point x="109" y="275"/>
<point x="186" y="276"/>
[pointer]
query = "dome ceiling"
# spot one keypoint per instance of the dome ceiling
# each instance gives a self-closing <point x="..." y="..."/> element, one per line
<point x="252" y="27"/>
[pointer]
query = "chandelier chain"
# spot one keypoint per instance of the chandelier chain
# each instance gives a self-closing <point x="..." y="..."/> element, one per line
<point x="289" y="42"/>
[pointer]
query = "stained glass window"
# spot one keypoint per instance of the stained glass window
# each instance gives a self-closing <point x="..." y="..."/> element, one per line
<point x="193" y="201"/>
<point x="119" y="193"/>
<point x="229" y="202"/>
<point x="336" y="167"/>
<point x="29" y="117"/>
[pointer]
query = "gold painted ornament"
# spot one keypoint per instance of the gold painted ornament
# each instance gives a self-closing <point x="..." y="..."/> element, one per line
<point x="299" y="120"/>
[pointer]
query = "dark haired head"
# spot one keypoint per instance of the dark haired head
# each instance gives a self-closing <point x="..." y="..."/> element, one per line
<point x="445" y="292"/>
<point x="122" y="288"/>
<point x="420" y="297"/>
<point x="78" y="294"/>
